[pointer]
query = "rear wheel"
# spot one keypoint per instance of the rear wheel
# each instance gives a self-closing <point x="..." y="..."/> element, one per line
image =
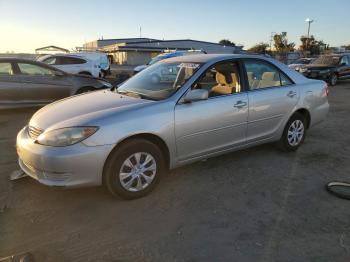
<point x="133" y="170"/>
<point x="333" y="79"/>
<point x="294" y="133"/>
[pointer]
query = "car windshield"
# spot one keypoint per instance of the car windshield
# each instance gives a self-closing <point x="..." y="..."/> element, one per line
<point x="159" y="81"/>
<point x="155" y="60"/>
<point x="327" y="60"/>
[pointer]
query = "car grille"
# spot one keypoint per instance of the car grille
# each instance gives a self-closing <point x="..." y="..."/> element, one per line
<point x="34" y="132"/>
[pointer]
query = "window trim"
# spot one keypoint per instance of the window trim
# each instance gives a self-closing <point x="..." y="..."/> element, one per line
<point x="270" y="64"/>
<point x="240" y="72"/>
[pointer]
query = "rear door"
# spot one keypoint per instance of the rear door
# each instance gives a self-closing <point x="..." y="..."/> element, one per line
<point x="10" y="86"/>
<point x="41" y="85"/>
<point x="272" y="96"/>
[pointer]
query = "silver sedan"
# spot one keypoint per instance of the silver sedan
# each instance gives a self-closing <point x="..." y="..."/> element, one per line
<point x="175" y="112"/>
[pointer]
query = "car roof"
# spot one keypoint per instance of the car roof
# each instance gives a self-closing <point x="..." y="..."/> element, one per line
<point x="205" y="58"/>
<point x="30" y="61"/>
<point x="15" y="59"/>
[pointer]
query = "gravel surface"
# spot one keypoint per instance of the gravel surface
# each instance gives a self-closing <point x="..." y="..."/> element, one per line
<point x="254" y="205"/>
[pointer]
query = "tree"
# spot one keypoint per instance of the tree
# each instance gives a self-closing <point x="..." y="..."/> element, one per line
<point x="226" y="42"/>
<point x="281" y="43"/>
<point x="260" y="48"/>
<point x="315" y="47"/>
<point x="347" y="47"/>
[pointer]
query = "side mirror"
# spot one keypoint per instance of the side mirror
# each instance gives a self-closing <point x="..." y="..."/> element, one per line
<point x="196" y="95"/>
<point x="58" y="73"/>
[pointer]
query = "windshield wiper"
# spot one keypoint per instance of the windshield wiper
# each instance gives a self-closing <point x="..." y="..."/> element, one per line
<point x="134" y="94"/>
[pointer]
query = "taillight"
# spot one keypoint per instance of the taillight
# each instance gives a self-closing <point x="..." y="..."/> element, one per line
<point x="326" y="89"/>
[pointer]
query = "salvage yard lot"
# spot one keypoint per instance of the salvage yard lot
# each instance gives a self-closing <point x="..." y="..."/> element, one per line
<point x="254" y="205"/>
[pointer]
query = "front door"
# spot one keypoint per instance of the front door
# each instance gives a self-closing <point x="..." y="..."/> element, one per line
<point x="218" y="123"/>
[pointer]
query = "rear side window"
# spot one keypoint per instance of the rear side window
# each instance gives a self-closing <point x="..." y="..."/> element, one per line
<point x="50" y="60"/>
<point x="34" y="70"/>
<point x="5" y="69"/>
<point x="261" y="75"/>
<point x="70" y="61"/>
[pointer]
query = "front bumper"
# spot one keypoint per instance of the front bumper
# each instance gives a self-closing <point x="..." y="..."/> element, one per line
<point x="71" y="166"/>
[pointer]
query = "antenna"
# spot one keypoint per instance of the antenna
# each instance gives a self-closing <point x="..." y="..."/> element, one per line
<point x="140" y="32"/>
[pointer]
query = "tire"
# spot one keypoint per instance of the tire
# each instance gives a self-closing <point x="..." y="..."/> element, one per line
<point x="133" y="184"/>
<point x="333" y="79"/>
<point x="85" y="90"/>
<point x="294" y="133"/>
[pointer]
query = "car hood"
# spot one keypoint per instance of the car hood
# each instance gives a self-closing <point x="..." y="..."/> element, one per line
<point x="82" y="109"/>
<point x="318" y="67"/>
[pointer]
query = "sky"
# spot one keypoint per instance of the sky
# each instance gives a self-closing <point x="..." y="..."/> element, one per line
<point x="29" y="24"/>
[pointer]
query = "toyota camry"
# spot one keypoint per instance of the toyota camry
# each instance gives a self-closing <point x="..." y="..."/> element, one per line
<point x="175" y="112"/>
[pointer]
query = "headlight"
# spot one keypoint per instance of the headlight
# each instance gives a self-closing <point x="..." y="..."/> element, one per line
<point x="297" y="68"/>
<point x="65" y="136"/>
<point x="303" y="70"/>
<point x="105" y="83"/>
<point x="326" y="71"/>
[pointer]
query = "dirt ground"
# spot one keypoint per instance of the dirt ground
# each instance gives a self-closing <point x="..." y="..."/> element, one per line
<point x="254" y="205"/>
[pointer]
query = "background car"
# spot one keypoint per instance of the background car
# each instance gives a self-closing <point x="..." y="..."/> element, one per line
<point x="300" y="63"/>
<point x="126" y="138"/>
<point x="330" y="68"/>
<point x="165" y="56"/>
<point x="27" y="83"/>
<point x="78" y="63"/>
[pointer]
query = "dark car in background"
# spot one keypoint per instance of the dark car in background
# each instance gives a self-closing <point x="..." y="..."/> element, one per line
<point x="300" y="63"/>
<point x="330" y="68"/>
<point x="30" y="83"/>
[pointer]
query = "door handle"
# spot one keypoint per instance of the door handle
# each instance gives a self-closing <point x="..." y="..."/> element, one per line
<point x="240" y="104"/>
<point x="291" y="94"/>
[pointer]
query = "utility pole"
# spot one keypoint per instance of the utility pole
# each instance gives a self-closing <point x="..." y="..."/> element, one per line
<point x="309" y="21"/>
<point x="140" y="32"/>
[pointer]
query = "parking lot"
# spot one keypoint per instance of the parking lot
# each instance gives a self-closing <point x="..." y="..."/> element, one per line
<point x="254" y="205"/>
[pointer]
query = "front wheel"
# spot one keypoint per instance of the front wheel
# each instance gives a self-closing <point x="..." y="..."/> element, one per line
<point x="333" y="79"/>
<point x="133" y="170"/>
<point x="294" y="133"/>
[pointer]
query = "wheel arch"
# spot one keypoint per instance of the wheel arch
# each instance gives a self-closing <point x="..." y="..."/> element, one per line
<point x="306" y="114"/>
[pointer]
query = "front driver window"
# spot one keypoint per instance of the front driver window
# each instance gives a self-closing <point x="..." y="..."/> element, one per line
<point x="35" y="70"/>
<point x="220" y="79"/>
<point x="344" y="60"/>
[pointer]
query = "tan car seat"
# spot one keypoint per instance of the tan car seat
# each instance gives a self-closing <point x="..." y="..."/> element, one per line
<point x="253" y="82"/>
<point x="222" y="87"/>
<point x="269" y="79"/>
